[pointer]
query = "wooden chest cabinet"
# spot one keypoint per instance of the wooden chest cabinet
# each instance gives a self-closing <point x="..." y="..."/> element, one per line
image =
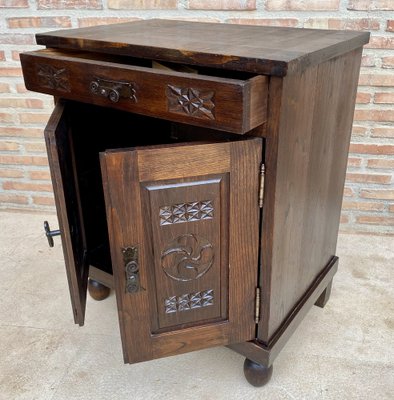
<point x="199" y="169"/>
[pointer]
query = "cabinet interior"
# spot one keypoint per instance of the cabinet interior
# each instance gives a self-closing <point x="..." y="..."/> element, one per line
<point x="94" y="129"/>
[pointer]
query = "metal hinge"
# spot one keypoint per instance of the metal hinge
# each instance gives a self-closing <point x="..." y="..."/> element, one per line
<point x="261" y="191"/>
<point x="257" y="306"/>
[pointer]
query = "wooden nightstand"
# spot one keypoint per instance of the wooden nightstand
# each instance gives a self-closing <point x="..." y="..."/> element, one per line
<point x="207" y="191"/>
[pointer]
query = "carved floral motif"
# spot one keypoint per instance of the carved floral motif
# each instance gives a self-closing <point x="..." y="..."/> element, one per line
<point x="188" y="301"/>
<point x="185" y="212"/>
<point x="190" y="101"/>
<point x="186" y="258"/>
<point x="53" y="78"/>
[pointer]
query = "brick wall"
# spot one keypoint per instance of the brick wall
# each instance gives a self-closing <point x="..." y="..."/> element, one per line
<point x="369" y="194"/>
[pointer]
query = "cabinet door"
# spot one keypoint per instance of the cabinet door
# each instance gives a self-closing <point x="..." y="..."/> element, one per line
<point x="183" y="225"/>
<point x="65" y="187"/>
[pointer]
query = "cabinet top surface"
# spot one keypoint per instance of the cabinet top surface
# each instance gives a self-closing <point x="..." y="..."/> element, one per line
<point x="258" y="49"/>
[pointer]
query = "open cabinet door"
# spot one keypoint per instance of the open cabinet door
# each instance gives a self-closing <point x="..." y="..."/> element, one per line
<point x="183" y="225"/>
<point x="65" y="186"/>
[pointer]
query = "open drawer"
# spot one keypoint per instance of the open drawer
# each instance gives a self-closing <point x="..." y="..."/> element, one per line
<point x="232" y="105"/>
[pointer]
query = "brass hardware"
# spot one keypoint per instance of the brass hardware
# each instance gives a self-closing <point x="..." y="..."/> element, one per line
<point x="261" y="191"/>
<point x="113" y="90"/>
<point x="50" y="234"/>
<point x="130" y="258"/>
<point x="257" y="309"/>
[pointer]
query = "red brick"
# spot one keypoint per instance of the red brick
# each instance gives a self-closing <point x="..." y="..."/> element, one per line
<point x="16" y="38"/>
<point x="2" y="56"/>
<point x="359" y="130"/>
<point x="43" y="175"/>
<point x="38" y="147"/>
<point x="7" y="118"/>
<point x="142" y="4"/>
<point x="23" y="160"/>
<point x="384" y="98"/>
<point x="291" y="22"/>
<point x="370" y="5"/>
<point x="20" y="132"/>
<point x="375" y="220"/>
<point x="368" y="178"/>
<point x="21" y="88"/>
<point x="69" y="4"/>
<point x="9" y="146"/>
<point x="39" y="22"/>
<point x="337" y="23"/>
<point x="222" y="5"/>
<point x="15" y="55"/>
<point x="43" y="201"/>
<point x="382" y="163"/>
<point x="344" y="219"/>
<point x="33" y="118"/>
<point x="361" y="148"/>
<point x="368" y="61"/>
<point x="20" y="103"/>
<point x="4" y="88"/>
<point x="380" y="42"/>
<point x="384" y="194"/>
<point x="362" y="206"/>
<point x="390" y="25"/>
<point x="388" y="62"/>
<point x="11" y="173"/>
<point x="374" y="115"/>
<point x="391" y="208"/>
<point x="376" y="80"/>
<point x="10" y="72"/>
<point x="27" y="186"/>
<point x="354" y="162"/>
<point x="14" y="4"/>
<point x="86" y="22"/>
<point x="348" y="192"/>
<point x="386" y="132"/>
<point x="13" y="199"/>
<point x="302" y="5"/>
<point x="363" y="98"/>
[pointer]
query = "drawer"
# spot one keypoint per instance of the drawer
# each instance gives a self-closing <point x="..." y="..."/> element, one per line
<point x="233" y="105"/>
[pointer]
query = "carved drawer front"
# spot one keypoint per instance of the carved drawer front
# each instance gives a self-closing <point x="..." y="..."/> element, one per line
<point x="183" y="225"/>
<point x="232" y="105"/>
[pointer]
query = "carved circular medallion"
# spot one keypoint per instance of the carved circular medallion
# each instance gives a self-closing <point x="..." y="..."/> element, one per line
<point x="187" y="257"/>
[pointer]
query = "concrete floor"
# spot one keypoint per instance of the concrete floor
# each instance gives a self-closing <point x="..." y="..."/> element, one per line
<point x="344" y="351"/>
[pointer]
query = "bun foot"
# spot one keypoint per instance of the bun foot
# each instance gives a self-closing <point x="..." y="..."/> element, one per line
<point x="97" y="290"/>
<point x="257" y="374"/>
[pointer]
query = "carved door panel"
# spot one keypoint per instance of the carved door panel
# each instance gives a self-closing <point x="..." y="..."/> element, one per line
<point x="65" y="186"/>
<point x="183" y="226"/>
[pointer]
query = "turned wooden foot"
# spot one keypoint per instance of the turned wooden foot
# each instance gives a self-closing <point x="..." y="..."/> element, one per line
<point x="97" y="290"/>
<point x="322" y="300"/>
<point x="257" y="374"/>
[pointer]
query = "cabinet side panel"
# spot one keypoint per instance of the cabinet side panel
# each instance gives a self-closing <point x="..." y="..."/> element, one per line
<point x="313" y="138"/>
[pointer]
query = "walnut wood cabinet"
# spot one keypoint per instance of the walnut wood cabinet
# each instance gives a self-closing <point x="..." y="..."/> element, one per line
<point x="198" y="169"/>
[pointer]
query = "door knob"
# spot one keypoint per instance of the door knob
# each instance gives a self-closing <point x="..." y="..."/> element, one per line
<point x="50" y="234"/>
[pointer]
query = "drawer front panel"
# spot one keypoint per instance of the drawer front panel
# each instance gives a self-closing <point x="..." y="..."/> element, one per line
<point x="227" y="104"/>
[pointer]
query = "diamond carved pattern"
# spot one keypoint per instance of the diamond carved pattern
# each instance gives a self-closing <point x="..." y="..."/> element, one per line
<point x="53" y="78"/>
<point x="185" y="212"/>
<point x="188" y="301"/>
<point x="190" y="101"/>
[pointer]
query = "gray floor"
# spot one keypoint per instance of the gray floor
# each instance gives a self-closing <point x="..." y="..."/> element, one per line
<point x="345" y="351"/>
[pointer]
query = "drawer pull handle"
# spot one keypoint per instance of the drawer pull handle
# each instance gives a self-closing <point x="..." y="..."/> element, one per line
<point x="113" y="90"/>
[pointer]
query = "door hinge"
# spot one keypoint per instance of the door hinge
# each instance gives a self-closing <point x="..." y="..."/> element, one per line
<point x="257" y="306"/>
<point x="261" y="191"/>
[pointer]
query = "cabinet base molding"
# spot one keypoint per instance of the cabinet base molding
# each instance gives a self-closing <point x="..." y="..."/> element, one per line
<point x="265" y="354"/>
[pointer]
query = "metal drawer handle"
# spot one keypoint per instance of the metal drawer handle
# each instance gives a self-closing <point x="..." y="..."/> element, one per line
<point x="50" y="234"/>
<point x="113" y="90"/>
